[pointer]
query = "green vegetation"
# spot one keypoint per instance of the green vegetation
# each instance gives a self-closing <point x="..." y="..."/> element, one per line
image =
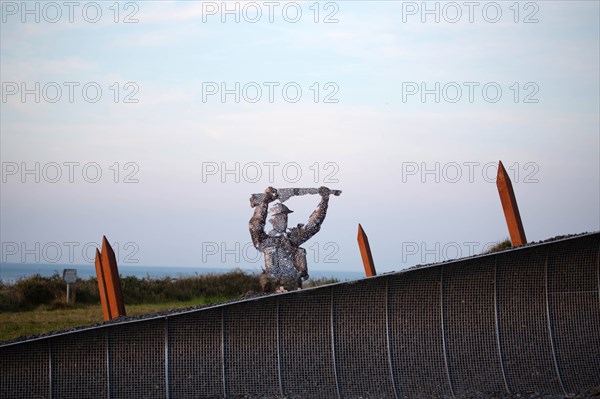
<point x="500" y="246"/>
<point x="319" y="281"/>
<point x="37" y="304"/>
<point x="45" y="318"/>
<point x="29" y="293"/>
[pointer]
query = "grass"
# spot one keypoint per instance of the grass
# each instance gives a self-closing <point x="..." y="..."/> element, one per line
<point x="30" y="293"/>
<point x="36" y="305"/>
<point x="500" y="246"/>
<point x="46" y="318"/>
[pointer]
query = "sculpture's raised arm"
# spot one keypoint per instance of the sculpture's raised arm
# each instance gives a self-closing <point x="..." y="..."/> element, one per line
<point x="304" y="233"/>
<point x="258" y="220"/>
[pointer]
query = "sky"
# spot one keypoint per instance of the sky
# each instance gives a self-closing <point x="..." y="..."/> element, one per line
<point x="152" y="123"/>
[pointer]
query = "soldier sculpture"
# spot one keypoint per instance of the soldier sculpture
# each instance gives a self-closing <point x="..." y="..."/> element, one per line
<point x="285" y="260"/>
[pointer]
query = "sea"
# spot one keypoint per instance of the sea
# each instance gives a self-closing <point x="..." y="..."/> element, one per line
<point x="11" y="272"/>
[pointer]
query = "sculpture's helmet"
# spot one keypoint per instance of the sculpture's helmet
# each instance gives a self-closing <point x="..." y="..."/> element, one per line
<point x="279" y="209"/>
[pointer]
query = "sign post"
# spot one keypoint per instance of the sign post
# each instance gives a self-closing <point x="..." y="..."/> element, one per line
<point x="69" y="277"/>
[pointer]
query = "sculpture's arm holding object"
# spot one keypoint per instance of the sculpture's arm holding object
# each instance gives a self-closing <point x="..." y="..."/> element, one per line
<point x="315" y="220"/>
<point x="258" y="220"/>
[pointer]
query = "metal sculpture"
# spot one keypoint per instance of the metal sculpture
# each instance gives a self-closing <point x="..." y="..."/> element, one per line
<point x="109" y="283"/>
<point x="285" y="260"/>
<point x="510" y="207"/>
<point x="365" y="252"/>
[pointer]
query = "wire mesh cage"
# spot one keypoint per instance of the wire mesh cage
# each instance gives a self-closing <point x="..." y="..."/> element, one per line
<point x="523" y="321"/>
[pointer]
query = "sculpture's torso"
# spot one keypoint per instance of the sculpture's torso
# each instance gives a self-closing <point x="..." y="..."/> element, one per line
<point x="283" y="260"/>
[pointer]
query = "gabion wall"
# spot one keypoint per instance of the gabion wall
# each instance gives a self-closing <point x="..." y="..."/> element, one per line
<point x="525" y="321"/>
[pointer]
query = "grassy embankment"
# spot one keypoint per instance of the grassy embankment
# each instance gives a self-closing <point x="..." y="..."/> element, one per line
<point x="38" y="304"/>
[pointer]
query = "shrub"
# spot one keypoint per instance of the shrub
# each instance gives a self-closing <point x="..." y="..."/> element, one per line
<point x="319" y="281"/>
<point x="38" y="290"/>
<point x="502" y="245"/>
<point x="86" y="291"/>
<point x="30" y="292"/>
<point x="10" y="299"/>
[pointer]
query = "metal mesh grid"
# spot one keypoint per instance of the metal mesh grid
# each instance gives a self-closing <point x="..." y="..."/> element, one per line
<point x="574" y="301"/>
<point x="524" y="321"/>
<point x="137" y="360"/>
<point x="307" y="361"/>
<point x="469" y="317"/>
<point x="361" y="342"/>
<point x="25" y="370"/>
<point x="415" y="328"/>
<point x="82" y="360"/>
<point x="251" y="348"/>
<point x="195" y="356"/>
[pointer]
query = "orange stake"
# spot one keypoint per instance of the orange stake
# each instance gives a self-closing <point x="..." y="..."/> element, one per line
<point x="365" y="252"/>
<point x="509" y="205"/>
<point x="112" y="280"/>
<point x="102" y="287"/>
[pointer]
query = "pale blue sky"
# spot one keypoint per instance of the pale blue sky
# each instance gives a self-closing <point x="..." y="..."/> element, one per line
<point x="367" y="138"/>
